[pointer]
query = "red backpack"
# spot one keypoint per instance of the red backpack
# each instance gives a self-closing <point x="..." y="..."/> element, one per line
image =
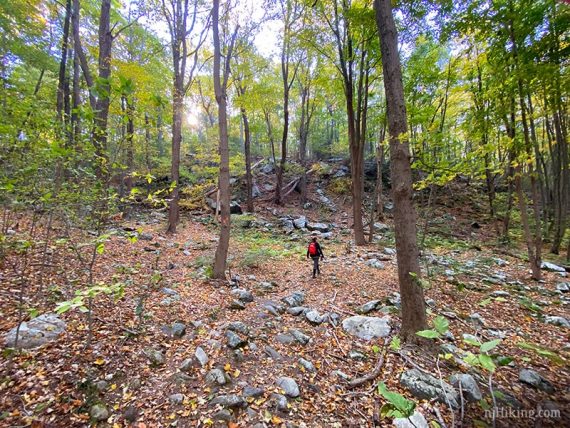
<point x="313" y="249"/>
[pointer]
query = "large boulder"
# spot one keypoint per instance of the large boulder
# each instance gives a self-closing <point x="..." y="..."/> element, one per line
<point x="552" y="267"/>
<point x="469" y="386"/>
<point x="300" y="222"/>
<point x="534" y="379"/>
<point x="417" y="420"/>
<point x="426" y="386"/>
<point x="37" y="332"/>
<point x="289" y="386"/>
<point x="295" y="299"/>
<point x="318" y="227"/>
<point x="367" y="328"/>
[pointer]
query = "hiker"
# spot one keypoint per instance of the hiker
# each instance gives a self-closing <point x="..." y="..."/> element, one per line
<point x="315" y="252"/>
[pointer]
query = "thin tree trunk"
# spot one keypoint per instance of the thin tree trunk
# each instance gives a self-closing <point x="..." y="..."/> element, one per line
<point x="220" y="87"/>
<point x="412" y="295"/>
<point x="130" y="110"/>
<point x="104" y="92"/>
<point x="247" y="150"/>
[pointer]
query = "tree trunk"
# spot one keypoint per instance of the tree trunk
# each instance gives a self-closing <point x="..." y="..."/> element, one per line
<point x="147" y="139"/>
<point x="247" y="150"/>
<point x="177" y="106"/>
<point x="413" y="304"/>
<point x="130" y="110"/>
<point x="63" y="79"/>
<point x="220" y="87"/>
<point x="104" y="91"/>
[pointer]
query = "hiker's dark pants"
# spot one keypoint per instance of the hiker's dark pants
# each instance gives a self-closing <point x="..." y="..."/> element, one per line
<point x="316" y="269"/>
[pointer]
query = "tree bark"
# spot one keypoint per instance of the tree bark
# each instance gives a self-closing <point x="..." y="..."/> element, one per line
<point x="220" y="88"/>
<point x="247" y="151"/>
<point x="104" y="92"/>
<point x="413" y="304"/>
<point x="63" y="79"/>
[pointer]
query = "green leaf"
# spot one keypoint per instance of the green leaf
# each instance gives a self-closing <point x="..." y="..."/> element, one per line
<point x="401" y="403"/>
<point x="543" y="352"/>
<point x="375" y="349"/>
<point x="487" y="346"/>
<point x="487" y="362"/>
<point x="395" y="343"/>
<point x="485" y="302"/>
<point x="441" y="324"/>
<point x="472" y="341"/>
<point x="504" y="361"/>
<point x="100" y="248"/>
<point x="428" y="334"/>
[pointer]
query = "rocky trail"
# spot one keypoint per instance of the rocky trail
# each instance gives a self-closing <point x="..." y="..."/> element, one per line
<point x="274" y="347"/>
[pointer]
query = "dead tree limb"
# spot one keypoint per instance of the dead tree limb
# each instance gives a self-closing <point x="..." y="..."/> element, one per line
<point x="374" y="373"/>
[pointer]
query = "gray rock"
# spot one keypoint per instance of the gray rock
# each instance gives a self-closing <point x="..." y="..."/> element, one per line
<point x="101" y="385"/>
<point x="201" y="356"/>
<point x="155" y="356"/>
<point x="288" y="385"/>
<point x="552" y="267"/>
<point x="476" y="319"/>
<point x="284" y="338"/>
<point x="381" y="227"/>
<point x="99" y="412"/>
<point x="500" y="293"/>
<point x="389" y="251"/>
<point x="295" y="299"/>
<point x="297" y="310"/>
<point x="216" y="377"/>
<point x="299" y="336"/>
<point x="223" y="415"/>
<point x="267" y="168"/>
<point x="131" y="413"/>
<point x="375" y="263"/>
<point x="187" y="365"/>
<point x="314" y="317"/>
<point x="307" y="365"/>
<point x="425" y="386"/>
<point x="417" y="420"/>
<point x="368" y="307"/>
<point x="234" y="340"/>
<point x="395" y="300"/>
<point x="242" y="294"/>
<point x="317" y="227"/>
<point x="272" y="353"/>
<point x="280" y="402"/>
<point x="237" y="305"/>
<point x="300" y="223"/>
<point x="355" y="355"/>
<point x="178" y="329"/>
<point x="469" y="386"/>
<point x="176" y="399"/>
<point x="563" y="287"/>
<point x="534" y="379"/>
<point x="145" y="236"/>
<point x="252" y="391"/>
<point x="367" y="328"/>
<point x="558" y="321"/>
<point x="231" y="401"/>
<point x="169" y="291"/>
<point x="238" y="327"/>
<point x="37" y="332"/>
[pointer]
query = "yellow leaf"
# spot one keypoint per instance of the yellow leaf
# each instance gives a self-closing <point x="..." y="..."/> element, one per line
<point x="116" y="425"/>
<point x="236" y="373"/>
<point x="116" y="407"/>
<point x="172" y="416"/>
<point x="227" y="367"/>
<point x="208" y="421"/>
<point x="113" y="387"/>
<point x="99" y="361"/>
<point x="276" y="420"/>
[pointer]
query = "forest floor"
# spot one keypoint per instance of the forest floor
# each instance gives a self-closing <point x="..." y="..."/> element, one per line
<point x="58" y="384"/>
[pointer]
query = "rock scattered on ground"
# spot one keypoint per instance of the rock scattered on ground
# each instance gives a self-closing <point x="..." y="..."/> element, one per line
<point x="367" y="328"/>
<point x="37" y="332"/>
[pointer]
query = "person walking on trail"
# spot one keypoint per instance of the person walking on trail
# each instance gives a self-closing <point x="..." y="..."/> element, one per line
<point x="315" y="252"/>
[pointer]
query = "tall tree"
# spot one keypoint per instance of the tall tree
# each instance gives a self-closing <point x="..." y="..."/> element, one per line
<point x="186" y="38"/>
<point x="413" y="304"/>
<point x="221" y="76"/>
